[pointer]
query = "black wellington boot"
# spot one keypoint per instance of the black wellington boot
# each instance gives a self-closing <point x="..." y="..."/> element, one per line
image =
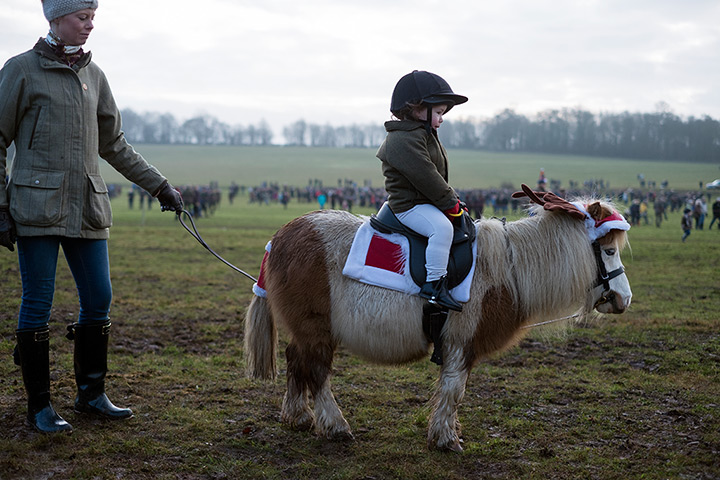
<point x="91" y="347"/>
<point x="33" y="348"/>
<point x="437" y="293"/>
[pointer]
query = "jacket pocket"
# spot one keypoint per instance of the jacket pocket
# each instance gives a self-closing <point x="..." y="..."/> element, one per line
<point x="36" y="197"/>
<point x="36" y="122"/>
<point x="97" y="212"/>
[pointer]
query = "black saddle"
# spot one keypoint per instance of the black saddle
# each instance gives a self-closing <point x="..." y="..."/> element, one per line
<point x="461" y="257"/>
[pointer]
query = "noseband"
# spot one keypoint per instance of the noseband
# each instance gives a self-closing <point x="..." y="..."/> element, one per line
<point x="603" y="276"/>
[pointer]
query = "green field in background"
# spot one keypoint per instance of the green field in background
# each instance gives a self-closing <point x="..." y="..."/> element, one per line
<point x="186" y="164"/>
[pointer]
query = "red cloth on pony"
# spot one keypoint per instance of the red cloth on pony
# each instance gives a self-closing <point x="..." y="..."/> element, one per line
<point x="259" y="287"/>
<point x="385" y="254"/>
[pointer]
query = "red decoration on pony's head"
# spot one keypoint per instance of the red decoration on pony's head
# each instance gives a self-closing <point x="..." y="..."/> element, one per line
<point x="599" y="228"/>
<point x="610" y="218"/>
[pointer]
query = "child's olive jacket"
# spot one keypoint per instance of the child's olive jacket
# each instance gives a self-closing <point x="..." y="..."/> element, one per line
<point x="415" y="166"/>
<point x="61" y="118"/>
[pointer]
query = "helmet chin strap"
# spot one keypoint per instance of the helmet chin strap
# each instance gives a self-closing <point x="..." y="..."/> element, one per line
<point x="428" y="120"/>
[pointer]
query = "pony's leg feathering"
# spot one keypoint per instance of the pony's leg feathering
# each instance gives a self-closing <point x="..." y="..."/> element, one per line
<point x="330" y="422"/>
<point x="296" y="412"/>
<point x="308" y="375"/>
<point x="444" y="428"/>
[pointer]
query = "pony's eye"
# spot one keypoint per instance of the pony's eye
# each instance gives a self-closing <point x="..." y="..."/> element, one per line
<point x="609" y="252"/>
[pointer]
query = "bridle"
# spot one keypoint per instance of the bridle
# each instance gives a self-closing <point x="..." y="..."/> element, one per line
<point x="604" y="276"/>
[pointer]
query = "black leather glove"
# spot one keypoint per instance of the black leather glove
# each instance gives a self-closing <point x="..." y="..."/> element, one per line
<point x="169" y="198"/>
<point x="7" y="229"/>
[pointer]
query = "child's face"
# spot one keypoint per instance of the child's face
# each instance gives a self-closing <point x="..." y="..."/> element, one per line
<point x="437" y="115"/>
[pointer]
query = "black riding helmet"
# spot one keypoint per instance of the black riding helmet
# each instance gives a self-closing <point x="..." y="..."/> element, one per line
<point x="419" y="87"/>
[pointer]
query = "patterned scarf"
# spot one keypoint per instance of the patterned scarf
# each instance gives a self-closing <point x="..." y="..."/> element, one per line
<point x="68" y="54"/>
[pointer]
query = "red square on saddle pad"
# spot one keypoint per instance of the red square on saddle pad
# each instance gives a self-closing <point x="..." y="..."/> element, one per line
<point x="384" y="254"/>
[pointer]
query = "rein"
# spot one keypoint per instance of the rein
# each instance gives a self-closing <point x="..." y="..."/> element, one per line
<point x="196" y="235"/>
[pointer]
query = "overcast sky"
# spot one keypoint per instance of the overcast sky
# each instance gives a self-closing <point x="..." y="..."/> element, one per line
<point x="337" y="61"/>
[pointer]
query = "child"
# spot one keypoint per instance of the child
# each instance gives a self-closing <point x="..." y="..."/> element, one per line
<point x="686" y="223"/>
<point x="415" y="166"/>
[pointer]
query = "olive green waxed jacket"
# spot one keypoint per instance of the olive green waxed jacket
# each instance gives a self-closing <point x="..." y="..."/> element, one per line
<point x="61" y="118"/>
<point x="415" y="166"/>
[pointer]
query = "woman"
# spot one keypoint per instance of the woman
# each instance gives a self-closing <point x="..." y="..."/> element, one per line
<point x="415" y="166"/>
<point x="56" y="105"/>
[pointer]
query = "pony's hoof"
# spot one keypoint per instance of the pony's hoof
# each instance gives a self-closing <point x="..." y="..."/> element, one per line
<point x="449" y="446"/>
<point x="341" y="436"/>
<point x="455" y="447"/>
<point x="303" y="423"/>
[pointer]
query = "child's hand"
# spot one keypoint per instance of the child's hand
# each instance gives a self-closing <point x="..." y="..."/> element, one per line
<point x="456" y="211"/>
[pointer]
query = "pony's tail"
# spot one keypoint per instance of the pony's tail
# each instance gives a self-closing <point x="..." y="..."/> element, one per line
<point x="261" y="340"/>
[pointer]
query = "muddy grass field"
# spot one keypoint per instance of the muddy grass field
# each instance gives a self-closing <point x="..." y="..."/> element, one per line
<point x="621" y="397"/>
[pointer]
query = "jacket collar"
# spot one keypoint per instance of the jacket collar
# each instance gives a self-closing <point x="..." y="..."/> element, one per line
<point x="46" y="51"/>
<point x="403" y="125"/>
<point x="407" y="126"/>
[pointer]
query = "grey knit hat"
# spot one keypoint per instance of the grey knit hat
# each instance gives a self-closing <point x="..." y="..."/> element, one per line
<point x="57" y="8"/>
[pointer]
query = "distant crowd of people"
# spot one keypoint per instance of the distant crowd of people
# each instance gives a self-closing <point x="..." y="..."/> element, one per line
<point x="199" y="200"/>
<point x="346" y="195"/>
<point x="639" y="205"/>
<point x="695" y="212"/>
<point x="202" y="200"/>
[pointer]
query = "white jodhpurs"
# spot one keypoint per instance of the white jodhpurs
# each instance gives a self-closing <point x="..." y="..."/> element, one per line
<point x="429" y="221"/>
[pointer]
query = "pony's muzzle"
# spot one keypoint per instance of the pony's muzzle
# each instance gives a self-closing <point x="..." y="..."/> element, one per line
<point x="612" y="302"/>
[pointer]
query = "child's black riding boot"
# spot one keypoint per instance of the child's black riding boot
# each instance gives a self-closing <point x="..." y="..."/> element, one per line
<point x="33" y="356"/>
<point x="437" y="293"/>
<point x="91" y="347"/>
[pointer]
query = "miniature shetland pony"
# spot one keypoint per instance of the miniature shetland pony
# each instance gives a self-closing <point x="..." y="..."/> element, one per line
<point x="550" y="264"/>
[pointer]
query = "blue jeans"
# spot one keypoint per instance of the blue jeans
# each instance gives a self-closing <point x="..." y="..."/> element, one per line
<point x="90" y="267"/>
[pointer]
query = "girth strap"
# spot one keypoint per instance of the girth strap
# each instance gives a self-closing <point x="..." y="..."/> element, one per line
<point x="434" y="318"/>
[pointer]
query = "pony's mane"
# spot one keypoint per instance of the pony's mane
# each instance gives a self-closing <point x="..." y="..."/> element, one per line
<point x="553" y="251"/>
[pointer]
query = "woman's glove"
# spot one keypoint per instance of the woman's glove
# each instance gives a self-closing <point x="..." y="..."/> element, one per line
<point x="7" y="229"/>
<point x="169" y="198"/>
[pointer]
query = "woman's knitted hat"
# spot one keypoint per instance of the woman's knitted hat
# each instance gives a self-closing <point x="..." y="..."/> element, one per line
<point x="57" y="8"/>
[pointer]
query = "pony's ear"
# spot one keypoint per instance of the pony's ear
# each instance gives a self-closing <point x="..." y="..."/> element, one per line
<point x="596" y="211"/>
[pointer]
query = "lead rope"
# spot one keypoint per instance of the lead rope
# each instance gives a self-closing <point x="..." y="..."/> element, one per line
<point x="196" y="235"/>
<point x="551" y="321"/>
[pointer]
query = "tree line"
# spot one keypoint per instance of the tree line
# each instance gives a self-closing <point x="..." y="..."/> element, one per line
<point x="661" y="135"/>
<point x="199" y="130"/>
